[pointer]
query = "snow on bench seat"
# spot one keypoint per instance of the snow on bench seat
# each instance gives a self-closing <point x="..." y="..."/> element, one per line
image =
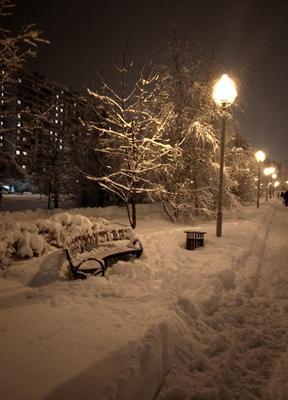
<point x="93" y="254"/>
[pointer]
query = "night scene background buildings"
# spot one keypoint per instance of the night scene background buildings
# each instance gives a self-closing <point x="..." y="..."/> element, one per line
<point x="246" y="39"/>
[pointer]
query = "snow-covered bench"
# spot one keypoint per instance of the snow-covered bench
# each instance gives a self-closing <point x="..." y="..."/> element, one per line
<point x="94" y="253"/>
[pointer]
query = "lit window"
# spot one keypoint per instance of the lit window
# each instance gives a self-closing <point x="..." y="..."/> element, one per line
<point x="56" y="115"/>
<point x="18" y="101"/>
<point x="57" y="96"/>
<point x="60" y="147"/>
<point x="56" y="108"/>
<point x="19" y="80"/>
<point x="51" y="132"/>
<point x="18" y="123"/>
<point x="1" y="137"/>
<point x="25" y="153"/>
<point x="56" y="121"/>
<point x="17" y="152"/>
<point x="1" y="123"/>
<point x="19" y="115"/>
<point x="24" y="166"/>
<point x="60" y="140"/>
<point x="61" y="109"/>
<point x="24" y="139"/>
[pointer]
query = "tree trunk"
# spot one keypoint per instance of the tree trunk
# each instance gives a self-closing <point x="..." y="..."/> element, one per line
<point x="172" y="218"/>
<point x="132" y="216"/>
<point x="56" y="197"/>
<point x="49" y="196"/>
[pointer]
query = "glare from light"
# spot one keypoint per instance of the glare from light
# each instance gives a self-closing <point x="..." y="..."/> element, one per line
<point x="269" y="171"/>
<point x="276" y="184"/>
<point x="224" y="92"/>
<point x="274" y="176"/>
<point x="260" y="156"/>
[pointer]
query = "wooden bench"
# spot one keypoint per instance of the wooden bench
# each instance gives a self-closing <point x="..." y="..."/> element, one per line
<point x="94" y="253"/>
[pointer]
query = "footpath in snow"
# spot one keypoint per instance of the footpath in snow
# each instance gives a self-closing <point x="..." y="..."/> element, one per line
<point x="176" y="324"/>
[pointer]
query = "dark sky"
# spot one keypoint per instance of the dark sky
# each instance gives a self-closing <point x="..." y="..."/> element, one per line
<point x="248" y="37"/>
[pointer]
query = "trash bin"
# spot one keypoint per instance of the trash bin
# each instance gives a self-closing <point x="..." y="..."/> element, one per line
<point x="194" y="239"/>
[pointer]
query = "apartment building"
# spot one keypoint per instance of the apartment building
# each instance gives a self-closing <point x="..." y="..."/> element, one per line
<point x="39" y="119"/>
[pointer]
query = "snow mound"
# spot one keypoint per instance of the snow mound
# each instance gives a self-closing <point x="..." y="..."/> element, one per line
<point x="21" y="238"/>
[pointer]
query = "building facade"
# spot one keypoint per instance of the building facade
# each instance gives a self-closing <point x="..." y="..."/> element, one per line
<point x="39" y="120"/>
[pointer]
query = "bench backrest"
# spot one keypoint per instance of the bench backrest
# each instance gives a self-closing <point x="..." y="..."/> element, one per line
<point x="88" y="241"/>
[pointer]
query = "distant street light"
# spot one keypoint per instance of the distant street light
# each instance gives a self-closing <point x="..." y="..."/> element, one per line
<point x="224" y="94"/>
<point x="274" y="176"/>
<point x="268" y="171"/>
<point x="260" y="157"/>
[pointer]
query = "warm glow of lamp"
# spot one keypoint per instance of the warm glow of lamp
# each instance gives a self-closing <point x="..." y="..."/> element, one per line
<point x="224" y="92"/>
<point x="260" y="156"/>
<point x="266" y="171"/>
<point x="274" y="176"/>
<point x="269" y="170"/>
<point x="276" y="184"/>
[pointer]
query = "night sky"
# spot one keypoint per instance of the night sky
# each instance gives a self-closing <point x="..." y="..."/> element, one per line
<point x="249" y="38"/>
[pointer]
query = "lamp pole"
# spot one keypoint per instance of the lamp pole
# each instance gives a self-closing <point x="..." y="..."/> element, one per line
<point x="268" y="171"/>
<point x="224" y="94"/>
<point x="221" y="176"/>
<point x="260" y="157"/>
<point x="274" y="177"/>
<point x="258" y="186"/>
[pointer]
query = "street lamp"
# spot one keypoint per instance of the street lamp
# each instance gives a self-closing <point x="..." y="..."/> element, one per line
<point x="224" y="94"/>
<point x="267" y="172"/>
<point x="260" y="157"/>
<point x="274" y="176"/>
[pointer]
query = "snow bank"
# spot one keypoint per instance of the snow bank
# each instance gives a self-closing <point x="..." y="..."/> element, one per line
<point x="174" y="324"/>
<point x="23" y="239"/>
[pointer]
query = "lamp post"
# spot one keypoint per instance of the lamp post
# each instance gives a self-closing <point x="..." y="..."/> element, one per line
<point x="274" y="177"/>
<point x="224" y="94"/>
<point x="267" y="172"/>
<point x="260" y="157"/>
<point x="276" y="184"/>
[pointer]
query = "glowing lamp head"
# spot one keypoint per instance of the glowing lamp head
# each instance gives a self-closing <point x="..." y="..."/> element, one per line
<point x="276" y="184"/>
<point x="266" y="171"/>
<point x="269" y="171"/>
<point x="274" y="176"/>
<point x="224" y="92"/>
<point x="260" y="156"/>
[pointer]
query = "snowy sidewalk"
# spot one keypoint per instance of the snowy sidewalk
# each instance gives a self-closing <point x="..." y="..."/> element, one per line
<point x="173" y="313"/>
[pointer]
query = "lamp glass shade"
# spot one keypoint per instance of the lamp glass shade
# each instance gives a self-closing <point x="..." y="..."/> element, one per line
<point x="224" y="92"/>
<point x="260" y="156"/>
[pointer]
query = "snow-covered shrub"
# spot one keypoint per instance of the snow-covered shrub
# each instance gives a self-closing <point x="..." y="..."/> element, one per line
<point x="23" y="237"/>
<point x="29" y="227"/>
<point x="30" y="244"/>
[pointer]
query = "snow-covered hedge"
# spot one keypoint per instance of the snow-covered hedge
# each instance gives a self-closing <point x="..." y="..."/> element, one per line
<point x="24" y="239"/>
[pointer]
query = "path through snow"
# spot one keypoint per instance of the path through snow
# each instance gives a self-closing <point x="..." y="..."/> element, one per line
<point x="246" y="356"/>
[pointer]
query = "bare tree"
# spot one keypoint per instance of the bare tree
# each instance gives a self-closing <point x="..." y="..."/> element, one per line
<point x="190" y="181"/>
<point x="16" y="48"/>
<point x="132" y="135"/>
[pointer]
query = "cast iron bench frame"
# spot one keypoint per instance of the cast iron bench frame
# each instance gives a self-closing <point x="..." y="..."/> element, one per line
<point x="95" y="247"/>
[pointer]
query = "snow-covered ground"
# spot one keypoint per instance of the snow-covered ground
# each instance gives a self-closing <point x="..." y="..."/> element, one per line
<point x="175" y="324"/>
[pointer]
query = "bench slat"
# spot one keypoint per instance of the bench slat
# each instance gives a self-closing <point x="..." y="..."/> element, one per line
<point x="86" y="255"/>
